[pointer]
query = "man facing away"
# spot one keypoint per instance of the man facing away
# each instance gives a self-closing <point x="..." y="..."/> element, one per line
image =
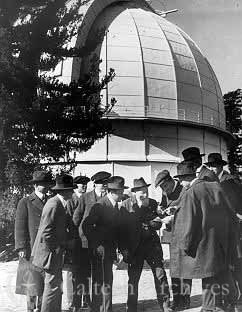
<point x="138" y="241"/>
<point x="172" y="191"/>
<point x="51" y="242"/>
<point x="202" y="243"/>
<point x="100" y="228"/>
<point x="27" y="222"/>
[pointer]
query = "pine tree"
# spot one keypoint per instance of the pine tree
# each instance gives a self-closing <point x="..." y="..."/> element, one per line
<point x="233" y="109"/>
<point x="41" y="118"/>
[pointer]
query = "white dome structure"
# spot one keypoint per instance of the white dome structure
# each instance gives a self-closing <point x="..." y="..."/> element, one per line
<point x="168" y="97"/>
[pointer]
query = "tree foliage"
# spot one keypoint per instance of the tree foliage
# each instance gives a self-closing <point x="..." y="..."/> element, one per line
<point x="233" y="109"/>
<point x="40" y="117"/>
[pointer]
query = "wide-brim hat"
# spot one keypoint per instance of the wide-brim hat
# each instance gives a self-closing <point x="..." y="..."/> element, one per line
<point x="191" y="153"/>
<point x="116" y="183"/>
<point x="64" y="182"/>
<point x="138" y="184"/>
<point x="101" y="177"/>
<point x="185" y="168"/>
<point x="41" y="176"/>
<point x="216" y="159"/>
<point x="162" y="176"/>
<point x="81" y="180"/>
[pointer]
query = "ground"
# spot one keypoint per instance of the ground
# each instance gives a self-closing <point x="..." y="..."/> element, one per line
<point x="10" y="302"/>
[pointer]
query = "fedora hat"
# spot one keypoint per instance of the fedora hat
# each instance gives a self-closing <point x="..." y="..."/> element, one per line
<point x="101" y="177"/>
<point x="64" y="182"/>
<point x="41" y="176"/>
<point x="81" y="180"/>
<point x="116" y="183"/>
<point x="215" y="159"/>
<point x="185" y="168"/>
<point x="138" y="184"/>
<point x="162" y="176"/>
<point x="191" y="153"/>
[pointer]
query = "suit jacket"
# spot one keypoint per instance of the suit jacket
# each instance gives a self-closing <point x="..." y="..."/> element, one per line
<point x="202" y="239"/>
<point x="100" y="226"/>
<point x="131" y="218"/>
<point x="50" y="241"/>
<point x="86" y="201"/>
<point x="27" y="222"/>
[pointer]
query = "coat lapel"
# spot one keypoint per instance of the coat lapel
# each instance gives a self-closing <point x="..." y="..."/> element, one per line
<point x="36" y="201"/>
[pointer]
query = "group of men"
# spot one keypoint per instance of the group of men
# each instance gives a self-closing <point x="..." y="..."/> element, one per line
<point x="200" y="206"/>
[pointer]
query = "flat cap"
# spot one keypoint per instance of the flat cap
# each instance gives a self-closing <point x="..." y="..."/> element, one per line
<point x="100" y="177"/>
<point x="81" y="180"/>
<point x="162" y="176"/>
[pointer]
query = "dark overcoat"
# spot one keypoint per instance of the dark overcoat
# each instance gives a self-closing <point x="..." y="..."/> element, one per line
<point x="86" y="201"/>
<point x="173" y="198"/>
<point x="131" y="218"/>
<point x="49" y="246"/>
<point x="100" y="226"/>
<point x="200" y="245"/>
<point x="27" y="222"/>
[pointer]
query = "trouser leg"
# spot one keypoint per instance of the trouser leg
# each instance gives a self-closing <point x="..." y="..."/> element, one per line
<point x="69" y="289"/>
<point x="154" y="257"/>
<point x="216" y="290"/>
<point x="176" y="291"/>
<point x="102" y="282"/>
<point x="52" y="294"/>
<point x="186" y="288"/>
<point x="31" y="303"/>
<point x="134" y="273"/>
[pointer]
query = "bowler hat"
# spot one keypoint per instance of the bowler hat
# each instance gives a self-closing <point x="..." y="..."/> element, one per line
<point x="138" y="184"/>
<point x="64" y="182"/>
<point x="81" y="180"/>
<point x="116" y="183"/>
<point x="100" y="177"/>
<point x="191" y="153"/>
<point x="185" y="168"/>
<point x="41" y="176"/>
<point x="162" y="176"/>
<point x="215" y="159"/>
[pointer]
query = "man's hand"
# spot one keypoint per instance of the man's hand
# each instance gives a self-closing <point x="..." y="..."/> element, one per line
<point x="171" y="210"/>
<point x="100" y="251"/>
<point x="22" y="253"/>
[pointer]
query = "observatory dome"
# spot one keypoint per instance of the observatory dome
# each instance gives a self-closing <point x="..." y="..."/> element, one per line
<point x="160" y="71"/>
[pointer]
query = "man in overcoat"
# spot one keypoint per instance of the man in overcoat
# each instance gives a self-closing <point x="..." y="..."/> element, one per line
<point x="233" y="191"/>
<point x="172" y="191"/>
<point x="27" y="222"/>
<point x="75" y="259"/>
<point x="51" y="242"/>
<point x="100" y="228"/>
<point x="139" y="241"/>
<point x="80" y="213"/>
<point x="201" y="245"/>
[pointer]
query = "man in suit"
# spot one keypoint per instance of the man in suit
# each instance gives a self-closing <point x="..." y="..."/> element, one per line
<point x="138" y="241"/>
<point x="51" y="242"/>
<point x="77" y="271"/>
<point x="202" y="244"/>
<point x="27" y="221"/>
<point x="193" y="154"/>
<point x="172" y="191"/>
<point x="100" y="228"/>
<point x="85" y="203"/>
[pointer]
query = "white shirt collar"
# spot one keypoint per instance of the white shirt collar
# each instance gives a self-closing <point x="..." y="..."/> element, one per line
<point x="176" y="182"/>
<point x="63" y="201"/>
<point x="220" y="175"/>
<point x="39" y="194"/>
<point x="111" y="200"/>
<point x="191" y="183"/>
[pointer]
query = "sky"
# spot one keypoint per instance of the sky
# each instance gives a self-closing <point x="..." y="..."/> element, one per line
<point x="216" y="27"/>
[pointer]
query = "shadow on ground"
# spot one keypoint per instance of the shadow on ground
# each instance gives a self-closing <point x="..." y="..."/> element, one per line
<point x="152" y="305"/>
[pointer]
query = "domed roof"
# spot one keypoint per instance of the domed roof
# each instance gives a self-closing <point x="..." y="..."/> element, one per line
<point x="160" y="71"/>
